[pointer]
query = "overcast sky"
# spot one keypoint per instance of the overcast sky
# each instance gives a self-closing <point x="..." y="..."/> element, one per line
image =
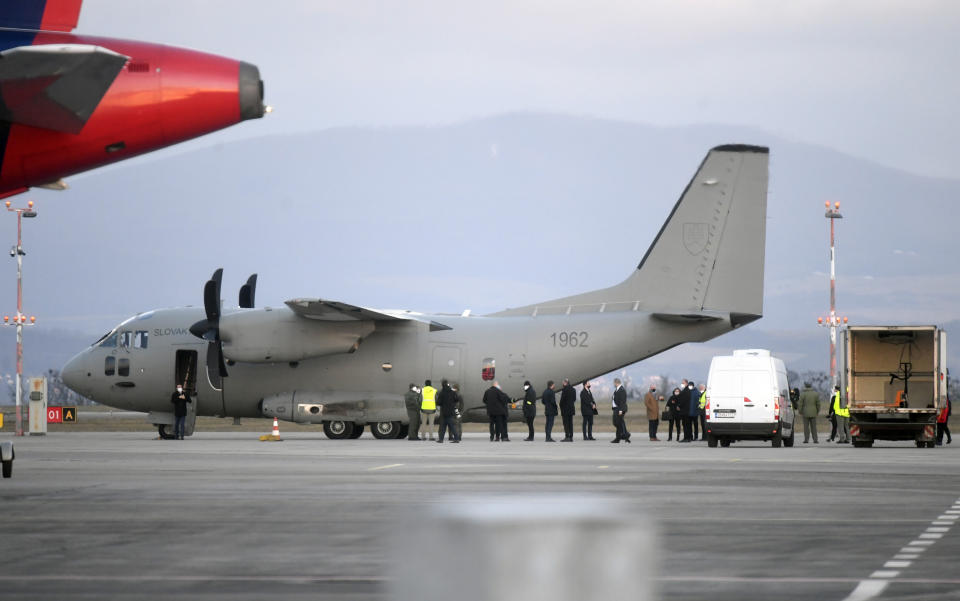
<point x="874" y="78"/>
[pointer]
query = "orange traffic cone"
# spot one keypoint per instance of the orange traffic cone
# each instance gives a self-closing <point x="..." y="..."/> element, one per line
<point x="275" y="435"/>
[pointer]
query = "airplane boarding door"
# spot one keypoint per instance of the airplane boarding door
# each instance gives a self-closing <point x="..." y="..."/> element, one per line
<point x="446" y="364"/>
<point x="186" y="375"/>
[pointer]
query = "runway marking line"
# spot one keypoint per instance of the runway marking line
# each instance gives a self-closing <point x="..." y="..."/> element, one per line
<point x="880" y="579"/>
<point x="384" y="467"/>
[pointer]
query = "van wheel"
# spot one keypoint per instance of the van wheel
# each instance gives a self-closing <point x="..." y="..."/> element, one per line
<point x="788" y="441"/>
<point x="712" y="441"/>
<point x="338" y="430"/>
<point x="725" y="442"/>
<point x="863" y="444"/>
<point x="777" y="439"/>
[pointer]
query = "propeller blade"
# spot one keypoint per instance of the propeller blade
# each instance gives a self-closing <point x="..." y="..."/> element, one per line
<point x="222" y="363"/>
<point x="211" y="297"/>
<point x="247" y="292"/>
<point x="213" y="365"/>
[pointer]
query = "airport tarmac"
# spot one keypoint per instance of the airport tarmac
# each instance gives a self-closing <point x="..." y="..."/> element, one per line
<point x="121" y="515"/>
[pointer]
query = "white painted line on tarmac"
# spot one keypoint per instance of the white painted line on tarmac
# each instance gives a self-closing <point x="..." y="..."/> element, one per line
<point x="943" y="523"/>
<point x="935" y="529"/>
<point x="906" y="556"/>
<point x="921" y="542"/>
<point x="384" y="467"/>
<point x="897" y="564"/>
<point x="883" y="574"/>
<point x="913" y="549"/>
<point x="949" y="517"/>
<point x="932" y="535"/>
<point x="867" y="589"/>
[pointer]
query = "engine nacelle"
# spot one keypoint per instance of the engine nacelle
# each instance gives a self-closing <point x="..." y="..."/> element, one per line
<point x="315" y="407"/>
<point x="277" y="335"/>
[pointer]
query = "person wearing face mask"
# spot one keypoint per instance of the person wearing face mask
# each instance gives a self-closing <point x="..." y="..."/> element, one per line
<point x="180" y="398"/>
<point x="529" y="407"/>
<point x="588" y="408"/>
<point x="568" y="400"/>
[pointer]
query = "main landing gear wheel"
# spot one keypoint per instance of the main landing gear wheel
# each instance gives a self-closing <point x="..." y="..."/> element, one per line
<point x="404" y="431"/>
<point x="385" y="430"/>
<point x="162" y="428"/>
<point x="357" y="431"/>
<point x="338" y="430"/>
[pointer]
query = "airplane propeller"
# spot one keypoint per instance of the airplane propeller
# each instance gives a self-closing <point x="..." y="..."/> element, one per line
<point x="247" y="292"/>
<point x="209" y="328"/>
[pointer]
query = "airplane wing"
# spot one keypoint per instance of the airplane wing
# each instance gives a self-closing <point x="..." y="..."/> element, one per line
<point x="324" y="310"/>
<point x="55" y="86"/>
<point x="40" y="15"/>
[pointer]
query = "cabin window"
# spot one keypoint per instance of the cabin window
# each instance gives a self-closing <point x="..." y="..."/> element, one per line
<point x="109" y="366"/>
<point x="488" y="370"/>
<point x="140" y="339"/>
<point x="123" y="367"/>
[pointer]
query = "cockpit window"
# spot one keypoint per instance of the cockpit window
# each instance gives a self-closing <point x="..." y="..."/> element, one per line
<point x="140" y="339"/>
<point x="108" y="341"/>
<point x="125" y="339"/>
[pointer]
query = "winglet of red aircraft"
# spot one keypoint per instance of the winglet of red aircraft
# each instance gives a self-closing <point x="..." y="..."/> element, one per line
<point x="69" y="103"/>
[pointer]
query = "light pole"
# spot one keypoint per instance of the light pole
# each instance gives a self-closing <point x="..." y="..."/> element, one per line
<point x="833" y="213"/>
<point x="20" y="320"/>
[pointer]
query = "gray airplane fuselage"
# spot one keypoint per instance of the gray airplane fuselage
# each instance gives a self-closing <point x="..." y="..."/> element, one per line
<point x="316" y="360"/>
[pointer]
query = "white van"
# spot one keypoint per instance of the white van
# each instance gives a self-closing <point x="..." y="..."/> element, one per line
<point x="748" y="398"/>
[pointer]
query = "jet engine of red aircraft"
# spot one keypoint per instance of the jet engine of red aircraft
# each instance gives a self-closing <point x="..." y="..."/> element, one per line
<point x="70" y="103"/>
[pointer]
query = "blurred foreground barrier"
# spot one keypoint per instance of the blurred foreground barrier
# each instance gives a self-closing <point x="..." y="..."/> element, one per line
<point x="530" y="547"/>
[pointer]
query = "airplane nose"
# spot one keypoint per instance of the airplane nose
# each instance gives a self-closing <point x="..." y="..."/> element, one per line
<point x="251" y="92"/>
<point x="74" y="373"/>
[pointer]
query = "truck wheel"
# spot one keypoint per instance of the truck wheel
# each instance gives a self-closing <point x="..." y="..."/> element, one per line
<point x="385" y="430"/>
<point x="863" y="444"/>
<point x="357" y="431"/>
<point x="712" y="441"/>
<point x="919" y="443"/>
<point x="338" y="430"/>
<point x="777" y="439"/>
<point x="8" y="468"/>
<point x="725" y="442"/>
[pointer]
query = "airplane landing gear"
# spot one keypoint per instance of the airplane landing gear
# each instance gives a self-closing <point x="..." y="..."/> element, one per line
<point x="339" y="430"/>
<point x="385" y="430"/>
<point x="162" y="428"/>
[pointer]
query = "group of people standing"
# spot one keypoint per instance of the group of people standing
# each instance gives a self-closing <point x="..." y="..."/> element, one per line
<point x="686" y="408"/>
<point x="423" y="406"/>
<point x="566" y="408"/>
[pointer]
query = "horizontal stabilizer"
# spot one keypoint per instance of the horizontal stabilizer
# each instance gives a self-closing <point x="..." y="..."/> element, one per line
<point x="40" y="15"/>
<point x="55" y="87"/>
<point x="324" y="310"/>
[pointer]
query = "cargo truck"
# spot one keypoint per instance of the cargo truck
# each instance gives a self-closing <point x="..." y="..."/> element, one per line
<point x="895" y="380"/>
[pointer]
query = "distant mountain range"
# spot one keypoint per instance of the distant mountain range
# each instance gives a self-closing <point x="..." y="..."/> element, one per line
<point x="483" y="215"/>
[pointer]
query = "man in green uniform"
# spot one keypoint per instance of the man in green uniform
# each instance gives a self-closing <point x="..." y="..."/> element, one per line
<point x="809" y="407"/>
<point x="412" y="401"/>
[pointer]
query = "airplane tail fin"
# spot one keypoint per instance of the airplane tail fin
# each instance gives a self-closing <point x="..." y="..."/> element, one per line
<point x="708" y="257"/>
<point x="40" y="15"/>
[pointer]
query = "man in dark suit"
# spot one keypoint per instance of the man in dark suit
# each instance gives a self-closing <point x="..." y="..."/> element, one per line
<point x="180" y="398"/>
<point x="568" y="401"/>
<point x="549" y="401"/>
<point x="587" y="409"/>
<point x="620" y="412"/>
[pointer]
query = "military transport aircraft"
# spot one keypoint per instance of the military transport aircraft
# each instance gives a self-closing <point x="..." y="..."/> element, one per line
<point x="346" y="366"/>
<point x="69" y="103"/>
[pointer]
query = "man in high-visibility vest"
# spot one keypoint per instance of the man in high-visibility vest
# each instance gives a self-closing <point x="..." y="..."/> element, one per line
<point x="843" y="416"/>
<point x="702" y="405"/>
<point x="428" y="408"/>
